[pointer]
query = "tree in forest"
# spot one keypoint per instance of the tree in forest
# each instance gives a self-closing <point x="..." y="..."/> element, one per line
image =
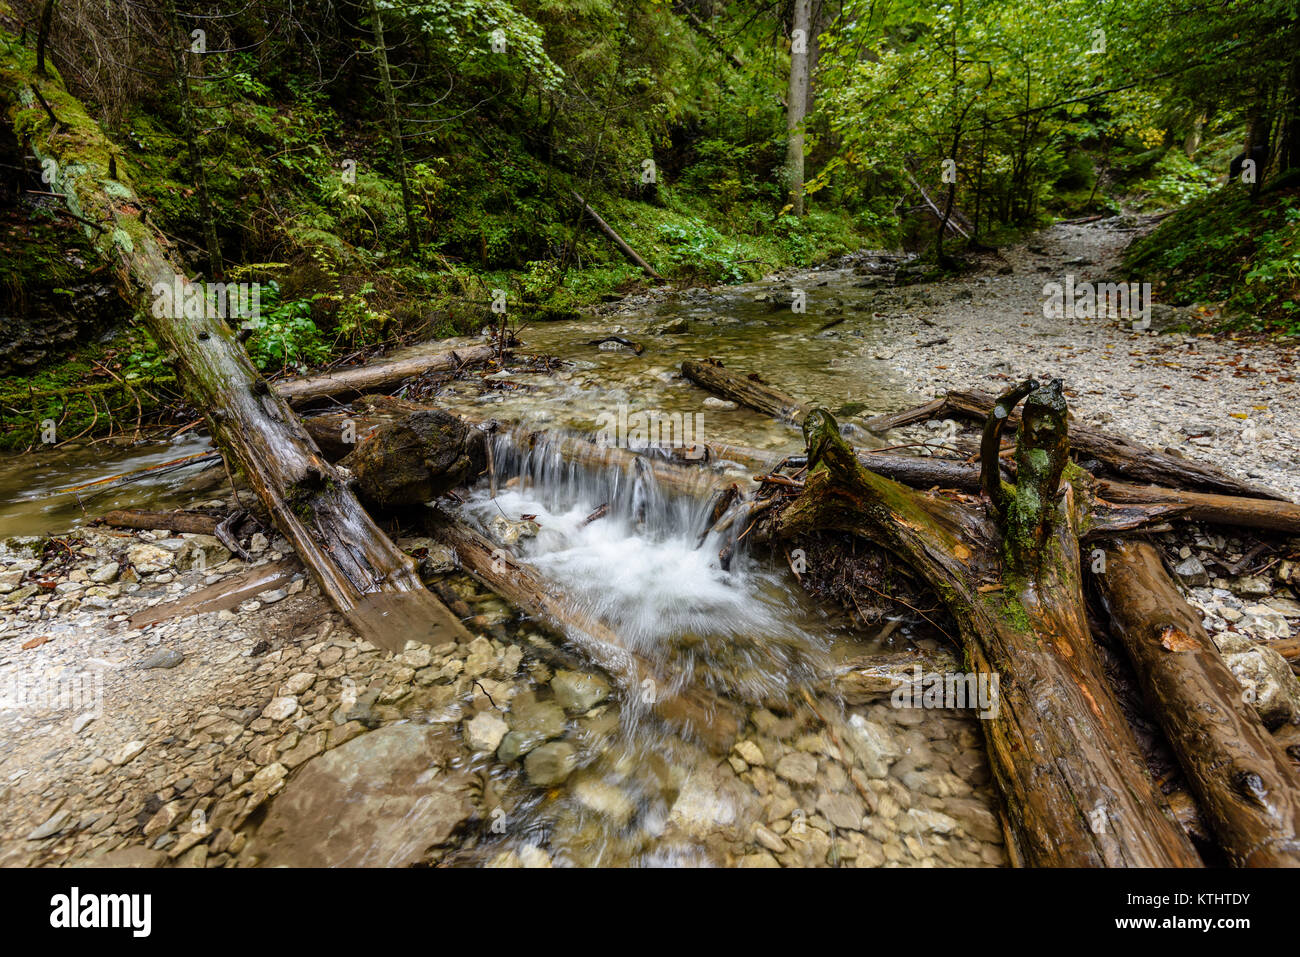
<point x="797" y="104"/>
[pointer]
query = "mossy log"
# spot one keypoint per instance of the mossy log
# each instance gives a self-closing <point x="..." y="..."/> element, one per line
<point x="1069" y="770"/>
<point x="367" y="578"/>
<point x="1248" y="792"/>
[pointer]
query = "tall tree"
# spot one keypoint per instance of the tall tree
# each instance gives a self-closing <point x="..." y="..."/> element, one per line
<point x="394" y="125"/>
<point x="797" y="100"/>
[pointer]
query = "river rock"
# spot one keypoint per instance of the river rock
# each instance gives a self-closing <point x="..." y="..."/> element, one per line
<point x="873" y="744"/>
<point x="1264" y="675"/>
<point x="164" y="658"/>
<point x="380" y="800"/>
<point x="147" y="558"/>
<point x="1192" y="572"/>
<point x="484" y="731"/>
<point x="577" y="691"/>
<point x="105" y="573"/>
<point x="551" y="763"/>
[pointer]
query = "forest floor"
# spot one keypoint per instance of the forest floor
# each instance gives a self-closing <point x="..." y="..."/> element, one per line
<point x="199" y="722"/>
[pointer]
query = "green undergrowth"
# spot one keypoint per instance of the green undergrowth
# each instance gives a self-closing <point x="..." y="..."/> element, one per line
<point x="1224" y="247"/>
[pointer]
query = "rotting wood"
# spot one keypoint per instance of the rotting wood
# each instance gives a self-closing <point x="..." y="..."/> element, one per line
<point x="362" y="573"/>
<point x="1245" y="785"/>
<point x="1075" y="788"/>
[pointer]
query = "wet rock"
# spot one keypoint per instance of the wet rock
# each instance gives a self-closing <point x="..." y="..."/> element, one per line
<point x="1264" y="675"/>
<point x="874" y="746"/>
<point x="797" y="767"/>
<point x="842" y="810"/>
<point x="1191" y="572"/>
<point x="551" y="763"/>
<point x="600" y="797"/>
<point x="576" y="691"/>
<point x="484" y="731"/>
<point x="381" y="800"/>
<point x="508" y="531"/>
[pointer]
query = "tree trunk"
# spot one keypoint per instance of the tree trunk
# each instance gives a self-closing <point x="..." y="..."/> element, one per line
<point x="1076" y="789"/>
<point x="378" y="375"/>
<point x="797" y="100"/>
<point x="394" y="127"/>
<point x="367" y="578"/>
<point x="628" y="252"/>
<point x="1248" y="792"/>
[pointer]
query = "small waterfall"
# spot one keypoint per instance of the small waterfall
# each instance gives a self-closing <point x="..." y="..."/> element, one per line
<point x="641" y="566"/>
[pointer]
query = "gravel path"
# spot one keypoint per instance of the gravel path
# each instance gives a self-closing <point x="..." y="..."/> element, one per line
<point x="1229" y="402"/>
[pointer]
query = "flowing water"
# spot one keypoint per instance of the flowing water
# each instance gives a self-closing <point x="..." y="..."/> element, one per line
<point x="645" y="792"/>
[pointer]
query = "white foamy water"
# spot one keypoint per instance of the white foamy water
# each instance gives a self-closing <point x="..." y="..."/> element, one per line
<point x="642" y="569"/>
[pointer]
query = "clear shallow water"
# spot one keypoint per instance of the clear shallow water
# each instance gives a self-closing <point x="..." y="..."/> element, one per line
<point x="32" y="484"/>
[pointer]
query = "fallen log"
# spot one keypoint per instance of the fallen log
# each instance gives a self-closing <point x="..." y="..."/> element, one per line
<point x="1117" y="453"/>
<point x="747" y="390"/>
<point x="191" y="522"/>
<point x="1075" y="788"/>
<point x="628" y="252"/>
<point x="712" y="719"/>
<point x="1272" y="514"/>
<point x="367" y="378"/>
<point x="1245" y="785"/>
<point x="362" y="573"/>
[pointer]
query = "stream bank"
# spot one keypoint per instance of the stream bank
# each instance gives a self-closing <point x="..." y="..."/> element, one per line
<point x="294" y="706"/>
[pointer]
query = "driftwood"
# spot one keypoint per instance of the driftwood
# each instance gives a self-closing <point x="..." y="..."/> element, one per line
<point x="747" y="390"/>
<point x="1116" y="453"/>
<point x="190" y="522"/>
<point x="1244" y="783"/>
<point x="367" y="378"/>
<point x="1075" y="788"/>
<point x="628" y="252"/>
<point x="712" y="719"/>
<point x="366" y="577"/>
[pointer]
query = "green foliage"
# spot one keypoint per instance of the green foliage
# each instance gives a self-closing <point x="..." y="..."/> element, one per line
<point x="696" y="250"/>
<point x="284" y="334"/>
<point x="1225" y="248"/>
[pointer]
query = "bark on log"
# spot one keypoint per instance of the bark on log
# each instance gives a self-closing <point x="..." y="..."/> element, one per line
<point x="191" y="522"/>
<point x="368" y="378"/>
<point x="714" y="720"/>
<point x="746" y="390"/>
<point x="1125" y="457"/>
<point x="366" y="577"/>
<point x="628" y="252"/>
<point x="1076" y="790"/>
<point x="1272" y="514"/>
<point x="1245" y="785"/>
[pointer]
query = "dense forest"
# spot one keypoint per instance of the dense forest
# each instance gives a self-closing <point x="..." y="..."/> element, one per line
<point x="530" y="433"/>
<point x="381" y="168"/>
